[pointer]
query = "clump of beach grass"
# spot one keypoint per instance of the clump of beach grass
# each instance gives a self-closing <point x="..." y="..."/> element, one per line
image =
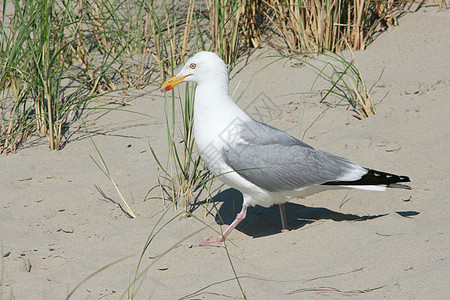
<point x="57" y="56"/>
<point x="182" y="176"/>
<point x="312" y="26"/>
<point x="347" y="83"/>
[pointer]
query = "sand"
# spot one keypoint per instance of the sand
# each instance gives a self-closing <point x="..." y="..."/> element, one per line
<point x="60" y="221"/>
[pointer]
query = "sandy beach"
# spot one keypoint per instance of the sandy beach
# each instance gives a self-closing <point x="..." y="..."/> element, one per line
<point x="62" y="228"/>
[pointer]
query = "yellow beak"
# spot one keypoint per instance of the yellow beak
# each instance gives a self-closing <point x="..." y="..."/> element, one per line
<point x="172" y="82"/>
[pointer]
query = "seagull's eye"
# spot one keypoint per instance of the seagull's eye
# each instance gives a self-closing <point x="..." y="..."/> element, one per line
<point x="193" y="66"/>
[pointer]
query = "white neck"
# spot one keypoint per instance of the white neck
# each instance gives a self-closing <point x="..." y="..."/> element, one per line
<point x="213" y="104"/>
<point x="214" y="112"/>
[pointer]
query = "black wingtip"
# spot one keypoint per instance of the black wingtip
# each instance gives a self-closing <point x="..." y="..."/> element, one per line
<point x="374" y="177"/>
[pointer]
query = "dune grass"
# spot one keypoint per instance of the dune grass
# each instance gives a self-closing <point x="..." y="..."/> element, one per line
<point x="31" y="79"/>
<point x="312" y="26"/>
<point x="56" y="56"/>
<point x="346" y="82"/>
<point x="182" y="176"/>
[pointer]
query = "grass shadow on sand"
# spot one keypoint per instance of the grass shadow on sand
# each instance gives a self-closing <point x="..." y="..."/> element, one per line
<point x="261" y="221"/>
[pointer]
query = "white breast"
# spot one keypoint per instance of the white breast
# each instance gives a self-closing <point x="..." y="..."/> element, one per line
<point x="215" y="125"/>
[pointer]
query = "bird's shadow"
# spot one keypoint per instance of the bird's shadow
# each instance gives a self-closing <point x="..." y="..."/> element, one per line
<point x="262" y="221"/>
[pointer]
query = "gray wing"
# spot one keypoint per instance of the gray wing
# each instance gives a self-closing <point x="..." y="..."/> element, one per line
<point x="276" y="161"/>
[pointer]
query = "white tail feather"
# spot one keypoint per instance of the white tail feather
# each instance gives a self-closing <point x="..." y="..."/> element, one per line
<point x="379" y="188"/>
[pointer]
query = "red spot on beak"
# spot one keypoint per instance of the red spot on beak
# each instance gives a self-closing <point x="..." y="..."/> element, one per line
<point x="168" y="88"/>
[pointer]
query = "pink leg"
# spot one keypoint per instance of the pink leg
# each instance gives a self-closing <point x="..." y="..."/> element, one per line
<point x="284" y="223"/>
<point x="239" y="217"/>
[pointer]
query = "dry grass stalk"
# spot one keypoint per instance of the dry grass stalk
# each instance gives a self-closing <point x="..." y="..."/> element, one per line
<point x="187" y="28"/>
<point x="250" y="25"/>
<point x="443" y="4"/>
<point x="224" y="20"/>
<point x="318" y="26"/>
<point x="363" y="100"/>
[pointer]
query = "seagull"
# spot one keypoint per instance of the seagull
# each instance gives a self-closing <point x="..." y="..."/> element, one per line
<point x="267" y="165"/>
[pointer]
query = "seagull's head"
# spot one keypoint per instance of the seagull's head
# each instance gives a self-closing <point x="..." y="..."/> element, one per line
<point x="202" y="67"/>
